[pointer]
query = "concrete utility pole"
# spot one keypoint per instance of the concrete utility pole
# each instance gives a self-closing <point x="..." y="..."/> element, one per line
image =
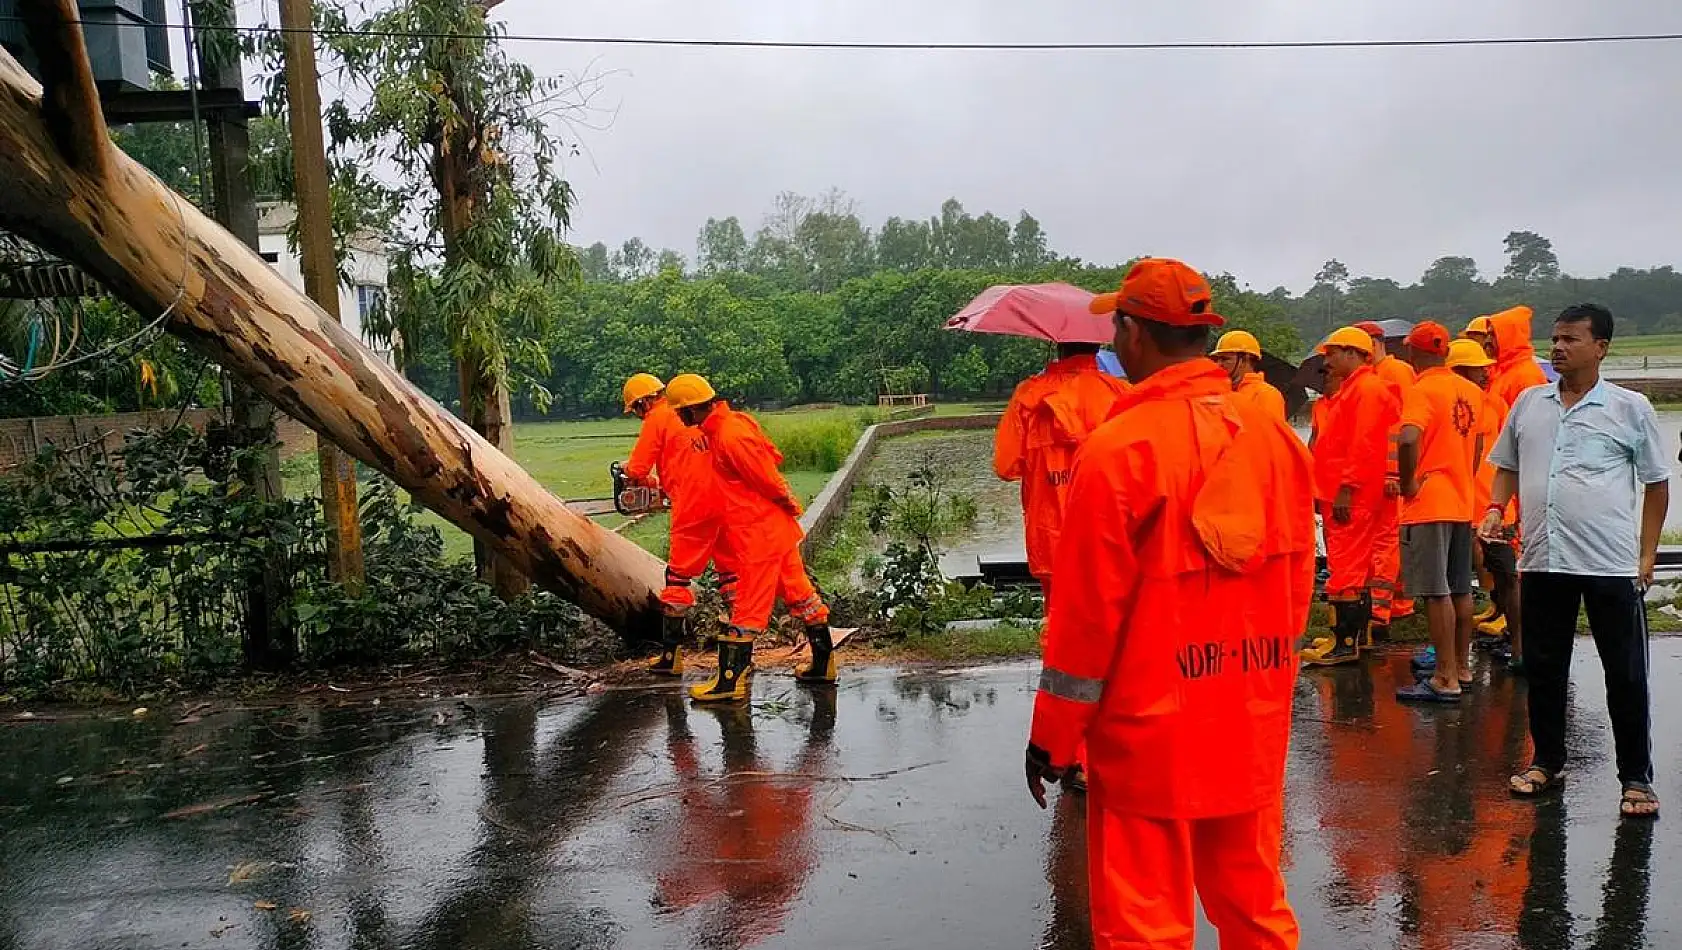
<point x="321" y="273"/>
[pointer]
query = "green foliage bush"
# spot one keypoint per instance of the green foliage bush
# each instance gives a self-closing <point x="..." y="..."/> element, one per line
<point x="126" y="570"/>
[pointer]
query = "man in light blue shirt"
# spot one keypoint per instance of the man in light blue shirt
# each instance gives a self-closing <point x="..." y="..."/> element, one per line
<point x="1587" y="461"/>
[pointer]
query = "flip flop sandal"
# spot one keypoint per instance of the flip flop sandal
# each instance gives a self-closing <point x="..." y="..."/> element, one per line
<point x="1638" y="793"/>
<point x="1425" y="691"/>
<point x="1538" y="787"/>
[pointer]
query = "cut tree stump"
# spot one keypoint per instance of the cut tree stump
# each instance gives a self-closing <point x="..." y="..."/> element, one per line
<point x="69" y="190"/>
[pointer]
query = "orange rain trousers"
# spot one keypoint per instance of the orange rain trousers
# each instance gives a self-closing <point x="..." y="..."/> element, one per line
<point x="1386" y="584"/>
<point x="762" y="583"/>
<point x="1352" y="555"/>
<point x="760" y="532"/>
<point x="1147" y="874"/>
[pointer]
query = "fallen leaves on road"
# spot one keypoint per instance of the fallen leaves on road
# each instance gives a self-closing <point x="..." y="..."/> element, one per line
<point x="195" y="750"/>
<point x="265" y="905"/>
<point x="246" y="871"/>
<point x="205" y="808"/>
<point x="298" y="915"/>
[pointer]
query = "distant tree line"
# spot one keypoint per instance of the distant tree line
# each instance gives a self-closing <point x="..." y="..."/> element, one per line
<point x="1453" y="292"/>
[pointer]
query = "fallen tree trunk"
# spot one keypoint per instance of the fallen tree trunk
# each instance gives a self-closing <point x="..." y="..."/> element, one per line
<point x="68" y="189"/>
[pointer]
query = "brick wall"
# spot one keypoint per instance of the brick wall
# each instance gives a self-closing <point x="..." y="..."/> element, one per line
<point x="20" y="439"/>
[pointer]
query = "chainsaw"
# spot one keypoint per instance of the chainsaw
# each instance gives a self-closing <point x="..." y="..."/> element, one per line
<point x="630" y="499"/>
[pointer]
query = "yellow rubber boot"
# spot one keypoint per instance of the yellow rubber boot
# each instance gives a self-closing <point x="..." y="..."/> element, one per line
<point x="670" y="660"/>
<point x="1343" y="646"/>
<point x="822" y="670"/>
<point x="735" y="672"/>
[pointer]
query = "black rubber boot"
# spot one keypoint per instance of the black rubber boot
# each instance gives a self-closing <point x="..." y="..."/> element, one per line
<point x="1347" y="632"/>
<point x="670" y="660"/>
<point x="822" y="670"/>
<point x="735" y="669"/>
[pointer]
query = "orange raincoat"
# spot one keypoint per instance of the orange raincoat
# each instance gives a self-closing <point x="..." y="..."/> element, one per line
<point x="1354" y="449"/>
<point x="680" y="455"/>
<point x="1515" y="367"/>
<point x="760" y="527"/>
<point x="1388" y="553"/>
<point x="1255" y="389"/>
<point x="1397" y="373"/>
<point x="1171" y="652"/>
<point x="1049" y="416"/>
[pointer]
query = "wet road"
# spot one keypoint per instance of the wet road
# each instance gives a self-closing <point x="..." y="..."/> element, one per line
<point x="893" y="817"/>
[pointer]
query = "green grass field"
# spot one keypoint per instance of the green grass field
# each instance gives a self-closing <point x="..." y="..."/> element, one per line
<point x="571" y="459"/>
<point x="1653" y="344"/>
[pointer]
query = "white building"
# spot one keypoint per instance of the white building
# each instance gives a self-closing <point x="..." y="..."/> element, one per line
<point x="359" y="297"/>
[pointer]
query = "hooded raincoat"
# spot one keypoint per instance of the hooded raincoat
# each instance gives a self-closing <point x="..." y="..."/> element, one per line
<point x="1048" y="418"/>
<point x="1515" y="367"/>
<point x="1171" y="652"/>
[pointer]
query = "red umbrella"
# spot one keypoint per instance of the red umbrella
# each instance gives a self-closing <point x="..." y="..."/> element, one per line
<point x="1055" y="312"/>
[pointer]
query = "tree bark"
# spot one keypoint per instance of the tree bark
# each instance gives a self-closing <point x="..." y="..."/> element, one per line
<point x="71" y="191"/>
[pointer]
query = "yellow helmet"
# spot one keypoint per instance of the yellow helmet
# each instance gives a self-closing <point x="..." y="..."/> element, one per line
<point x="688" y="389"/>
<point x="1480" y="325"/>
<point x="1468" y="354"/>
<point x="1348" y="337"/>
<point x="1237" y="341"/>
<point x="641" y="386"/>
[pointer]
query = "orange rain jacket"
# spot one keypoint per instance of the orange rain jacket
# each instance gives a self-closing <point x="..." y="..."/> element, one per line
<point x="680" y="454"/>
<point x="1396" y="373"/>
<point x="1444" y="407"/>
<point x="758" y="506"/>
<point x="1255" y="389"/>
<point x="1182" y="589"/>
<point x="1049" y="416"/>
<point x="1515" y="367"/>
<point x="1354" y="447"/>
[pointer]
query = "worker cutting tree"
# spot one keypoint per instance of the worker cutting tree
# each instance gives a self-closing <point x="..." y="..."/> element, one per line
<point x="762" y="534"/>
<point x="686" y="476"/>
<point x="1351" y="459"/>
<point x="1180" y="591"/>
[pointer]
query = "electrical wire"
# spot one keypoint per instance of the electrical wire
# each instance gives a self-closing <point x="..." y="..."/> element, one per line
<point x="844" y="45"/>
<point x="180" y="294"/>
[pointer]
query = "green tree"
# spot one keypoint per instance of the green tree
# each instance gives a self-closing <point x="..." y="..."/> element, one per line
<point x="444" y="105"/>
<point x="1530" y="259"/>
<point x="1329" y="285"/>
<point x="722" y="246"/>
<point x="904" y="245"/>
<point x="1028" y="246"/>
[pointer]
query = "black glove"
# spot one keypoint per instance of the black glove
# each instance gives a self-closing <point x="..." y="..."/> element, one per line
<point x="1040" y="771"/>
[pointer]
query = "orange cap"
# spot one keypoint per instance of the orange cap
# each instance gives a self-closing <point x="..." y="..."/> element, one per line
<point x="1353" y="337"/>
<point x="1163" y="290"/>
<point x="1467" y="354"/>
<point x="1429" y="336"/>
<point x="1371" y="329"/>
<point x="1480" y="325"/>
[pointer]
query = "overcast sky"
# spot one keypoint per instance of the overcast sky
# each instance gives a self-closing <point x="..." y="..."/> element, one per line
<point x="1262" y="163"/>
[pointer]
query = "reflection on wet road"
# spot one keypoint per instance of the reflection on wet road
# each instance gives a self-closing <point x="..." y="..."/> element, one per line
<point x="890" y="816"/>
